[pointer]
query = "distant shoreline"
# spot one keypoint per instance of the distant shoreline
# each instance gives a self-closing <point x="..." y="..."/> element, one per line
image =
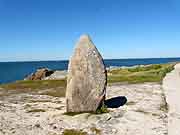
<point x="104" y="59"/>
<point x="12" y="71"/>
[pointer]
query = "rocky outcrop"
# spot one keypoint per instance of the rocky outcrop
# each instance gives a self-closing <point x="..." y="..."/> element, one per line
<point x="86" y="83"/>
<point x="24" y="113"/>
<point x="57" y="75"/>
<point x="40" y="74"/>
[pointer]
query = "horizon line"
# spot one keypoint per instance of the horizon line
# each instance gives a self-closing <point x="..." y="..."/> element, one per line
<point x="104" y="59"/>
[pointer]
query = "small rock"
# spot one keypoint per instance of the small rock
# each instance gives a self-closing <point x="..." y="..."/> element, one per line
<point x="37" y="125"/>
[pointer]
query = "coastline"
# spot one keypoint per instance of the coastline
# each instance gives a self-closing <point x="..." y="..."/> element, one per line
<point x="42" y="110"/>
<point x="12" y="71"/>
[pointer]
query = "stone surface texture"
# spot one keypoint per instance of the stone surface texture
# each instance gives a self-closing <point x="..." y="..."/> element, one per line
<point x="87" y="79"/>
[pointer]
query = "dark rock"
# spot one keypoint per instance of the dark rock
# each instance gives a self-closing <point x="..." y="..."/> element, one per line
<point x="40" y="74"/>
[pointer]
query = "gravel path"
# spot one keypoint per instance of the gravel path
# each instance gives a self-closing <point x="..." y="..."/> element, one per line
<point x="171" y="85"/>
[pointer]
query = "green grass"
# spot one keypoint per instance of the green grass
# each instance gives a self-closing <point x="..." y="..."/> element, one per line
<point x="102" y="109"/>
<point x="74" y="132"/>
<point x="140" y="74"/>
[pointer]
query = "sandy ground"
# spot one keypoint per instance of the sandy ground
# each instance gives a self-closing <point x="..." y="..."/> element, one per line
<point x="34" y="114"/>
<point x="171" y="85"/>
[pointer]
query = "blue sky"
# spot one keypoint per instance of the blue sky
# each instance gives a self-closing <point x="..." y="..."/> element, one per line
<point x="48" y="29"/>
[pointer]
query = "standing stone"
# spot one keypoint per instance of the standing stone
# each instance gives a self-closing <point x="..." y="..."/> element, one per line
<point x="87" y="78"/>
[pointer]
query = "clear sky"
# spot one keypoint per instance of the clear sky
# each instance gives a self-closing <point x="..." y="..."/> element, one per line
<point x="48" y="29"/>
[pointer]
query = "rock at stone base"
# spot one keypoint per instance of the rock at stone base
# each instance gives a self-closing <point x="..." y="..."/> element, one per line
<point x="87" y="78"/>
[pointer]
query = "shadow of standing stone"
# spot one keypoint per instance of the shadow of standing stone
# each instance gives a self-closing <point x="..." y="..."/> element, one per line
<point x="116" y="102"/>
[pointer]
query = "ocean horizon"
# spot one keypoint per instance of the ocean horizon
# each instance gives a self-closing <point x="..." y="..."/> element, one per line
<point x="13" y="71"/>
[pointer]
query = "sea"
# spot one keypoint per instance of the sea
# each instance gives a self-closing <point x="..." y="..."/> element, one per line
<point x="13" y="71"/>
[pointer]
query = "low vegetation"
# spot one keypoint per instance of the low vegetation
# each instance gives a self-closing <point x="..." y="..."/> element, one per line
<point x="102" y="109"/>
<point x="140" y="74"/>
<point x="35" y="84"/>
<point x="74" y="132"/>
<point x="56" y="88"/>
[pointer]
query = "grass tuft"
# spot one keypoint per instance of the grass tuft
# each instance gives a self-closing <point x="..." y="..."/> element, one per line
<point x="74" y="132"/>
<point x="102" y="109"/>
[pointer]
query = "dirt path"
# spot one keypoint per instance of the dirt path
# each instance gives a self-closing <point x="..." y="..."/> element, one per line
<point x="171" y="85"/>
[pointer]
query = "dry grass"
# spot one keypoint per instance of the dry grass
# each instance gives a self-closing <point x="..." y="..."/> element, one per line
<point x="74" y="132"/>
<point x="57" y="88"/>
<point x="35" y="85"/>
